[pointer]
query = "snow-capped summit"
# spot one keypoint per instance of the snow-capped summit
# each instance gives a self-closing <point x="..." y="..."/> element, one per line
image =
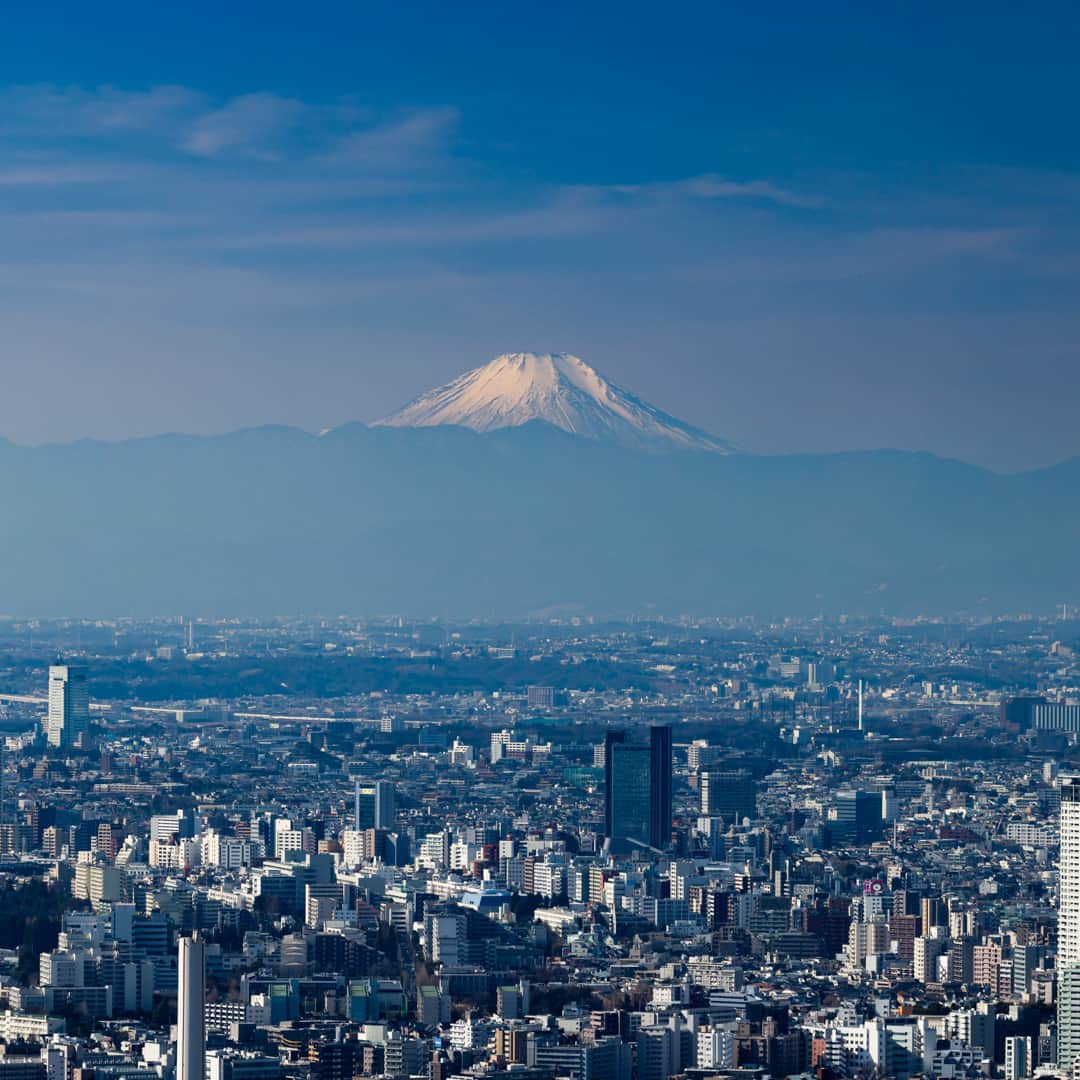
<point x="559" y="389"/>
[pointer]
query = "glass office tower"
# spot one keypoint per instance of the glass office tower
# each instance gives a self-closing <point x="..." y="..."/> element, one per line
<point x="637" y="777"/>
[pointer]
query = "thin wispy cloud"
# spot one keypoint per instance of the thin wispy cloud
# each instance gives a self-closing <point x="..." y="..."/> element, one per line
<point x="563" y="214"/>
<point x="713" y="186"/>
<point x="50" y="112"/>
<point x="403" y="141"/>
<point x="261" y="173"/>
<point x="258" y="124"/>
<point x="950" y="241"/>
<point x="867" y="254"/>
<point x="59" y="175"/>
<point x="253" y="123"/>
<point x="104" y="219"/>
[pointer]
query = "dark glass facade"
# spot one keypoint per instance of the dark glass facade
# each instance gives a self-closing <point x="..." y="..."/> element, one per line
<point x="637" y="777"/>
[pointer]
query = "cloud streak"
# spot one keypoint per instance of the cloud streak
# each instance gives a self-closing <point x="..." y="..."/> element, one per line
<point x="51" y="112"/>
<point x="404" y="141"/>
<point x="253" y="123"/>
<point x="713" y="186"/>
<point x="260" y="124"/>
<point x="45" y="175"/>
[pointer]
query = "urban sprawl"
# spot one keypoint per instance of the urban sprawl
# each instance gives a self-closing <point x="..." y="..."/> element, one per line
<point x="569" y="848"/>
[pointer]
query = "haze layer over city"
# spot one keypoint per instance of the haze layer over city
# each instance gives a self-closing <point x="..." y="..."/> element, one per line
<point x="539" y="543"/>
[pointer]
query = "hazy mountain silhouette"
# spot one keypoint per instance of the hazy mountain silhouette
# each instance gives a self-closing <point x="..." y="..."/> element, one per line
<point x="443" y="520"/>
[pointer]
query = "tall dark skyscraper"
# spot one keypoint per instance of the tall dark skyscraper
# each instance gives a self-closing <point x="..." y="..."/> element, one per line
<point x="191" y="1009"/>
<point x="627" y="790"/>
<point x="375" y="805"/>
<point x="660" y="785"/>
<point x="637" y="788"/>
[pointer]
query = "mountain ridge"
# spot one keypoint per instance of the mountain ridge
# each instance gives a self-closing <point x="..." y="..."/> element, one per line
<point x="442" y="519"/>
<point x="305" y="436"/>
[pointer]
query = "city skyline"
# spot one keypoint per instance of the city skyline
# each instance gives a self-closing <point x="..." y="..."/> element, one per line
<point x="841" y="842"/>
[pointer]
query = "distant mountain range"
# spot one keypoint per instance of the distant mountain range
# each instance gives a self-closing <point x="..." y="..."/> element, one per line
<point x="522" y="517"/>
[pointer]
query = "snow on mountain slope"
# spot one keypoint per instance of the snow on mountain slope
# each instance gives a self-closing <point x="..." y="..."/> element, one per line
<point x="559" y="389"/>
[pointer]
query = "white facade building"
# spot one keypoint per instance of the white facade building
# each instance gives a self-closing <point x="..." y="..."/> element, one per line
<point x="1018" y="1062"/>
<point x="69" y="706"/>
<point x="1069" y="924"/>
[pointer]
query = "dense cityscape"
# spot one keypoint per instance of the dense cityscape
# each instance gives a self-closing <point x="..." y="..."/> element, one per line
<point x="561" y="849"/>
<point x="539" y="541"/>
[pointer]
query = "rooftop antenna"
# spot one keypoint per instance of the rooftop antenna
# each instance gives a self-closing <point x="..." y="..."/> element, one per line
<point x="860" y="705"/>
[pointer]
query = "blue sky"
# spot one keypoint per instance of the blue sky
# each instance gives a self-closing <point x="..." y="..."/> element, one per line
<point x="806" y="228"/>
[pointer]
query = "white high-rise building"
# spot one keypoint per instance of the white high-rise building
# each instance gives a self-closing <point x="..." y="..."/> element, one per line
<point x="1069" y="924"/>
<point x="1069" y="874"/>
<point x="715" y="1049"/>
<point x="191" y="1009"/>
<point x="1018" y="1063"/>
<point x="69" y="706"/>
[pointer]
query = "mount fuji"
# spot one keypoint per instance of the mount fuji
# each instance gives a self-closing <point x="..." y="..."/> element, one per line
<point x="558" y="389"/>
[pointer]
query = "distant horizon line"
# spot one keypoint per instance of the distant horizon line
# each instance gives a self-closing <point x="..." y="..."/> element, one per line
<point x="670" y="619"/>
<point x="376" y="426"/>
